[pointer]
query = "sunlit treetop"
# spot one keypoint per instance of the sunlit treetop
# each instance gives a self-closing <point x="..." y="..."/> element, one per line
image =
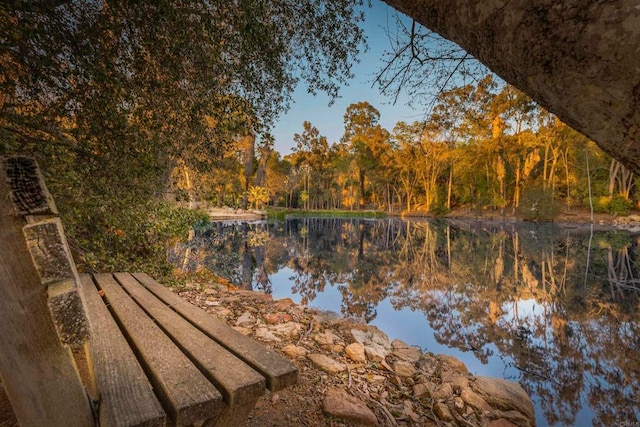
<point x="174" y="73"/>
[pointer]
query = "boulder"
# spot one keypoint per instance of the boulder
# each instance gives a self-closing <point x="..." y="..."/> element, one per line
<point x="504" y="395"/>
<point x="340" y="404"/>
<point x="471" y="398"/>
<point x="404" y="369"/>
<point x="451" y="363"/>
<point x="442" y="412"/>
<point x="376" y="343"/>
<point x="355" y="352"/>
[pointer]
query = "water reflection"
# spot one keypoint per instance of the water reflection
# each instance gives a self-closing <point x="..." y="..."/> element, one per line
<point x="559" y="306"/>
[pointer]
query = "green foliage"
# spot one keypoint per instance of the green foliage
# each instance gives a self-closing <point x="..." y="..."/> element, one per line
<point x="538" y="204"/>
<point x="133" y="238"/>
<point x="439" y="210"/>
<point x="617" y="205"/>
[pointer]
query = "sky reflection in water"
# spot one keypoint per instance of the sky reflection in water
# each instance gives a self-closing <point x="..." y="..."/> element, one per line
<point x="553" y="308"/>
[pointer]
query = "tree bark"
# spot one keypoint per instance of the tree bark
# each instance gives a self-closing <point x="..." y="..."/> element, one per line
<point x="578" y="59"/>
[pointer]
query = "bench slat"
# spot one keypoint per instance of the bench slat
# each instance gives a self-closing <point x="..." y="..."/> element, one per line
<point x="238" y="382"/>
<point x="38" y="373"/>
<point x="51" y="257"/>
<point x="126" y="396"/>
<point x="278" y="371"/>
<point x="185" y="393"/>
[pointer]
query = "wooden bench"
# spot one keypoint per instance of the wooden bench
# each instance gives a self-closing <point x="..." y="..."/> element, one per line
<point x="150" y="357"/>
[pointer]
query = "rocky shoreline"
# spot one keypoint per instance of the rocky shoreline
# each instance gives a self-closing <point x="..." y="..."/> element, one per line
<point x="353" y="374"/>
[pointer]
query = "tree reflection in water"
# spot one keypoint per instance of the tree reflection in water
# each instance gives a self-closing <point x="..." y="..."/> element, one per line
<point x="560" y="305"/>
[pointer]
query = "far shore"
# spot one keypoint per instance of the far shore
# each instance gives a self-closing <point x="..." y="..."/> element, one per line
<point x="576" y="216"/>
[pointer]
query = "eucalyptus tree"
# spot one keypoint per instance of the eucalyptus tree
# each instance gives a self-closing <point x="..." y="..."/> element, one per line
<point x="366" y="139"/>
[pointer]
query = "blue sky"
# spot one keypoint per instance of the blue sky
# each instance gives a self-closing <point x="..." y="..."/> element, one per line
<point x="329" y="120"/>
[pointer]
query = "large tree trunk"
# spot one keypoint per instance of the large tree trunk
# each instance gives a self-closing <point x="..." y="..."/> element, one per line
<point x="579" y="59"/>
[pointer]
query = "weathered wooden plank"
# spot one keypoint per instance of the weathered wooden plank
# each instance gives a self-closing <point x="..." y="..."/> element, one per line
<point x="38" y="373"/>
<point x="186" y="395"/>
<point x="26" y="187"/>
<point x="278" y="371"/>
<point x="51" y="257"/>
<point x="237" y="381"/>
<point x="125" y="395"/>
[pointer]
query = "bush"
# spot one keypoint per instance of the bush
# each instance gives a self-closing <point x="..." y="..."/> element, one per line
<point x="620" y="205"/>
<point x="537" y="204"/>
<point x="616" y="205"/>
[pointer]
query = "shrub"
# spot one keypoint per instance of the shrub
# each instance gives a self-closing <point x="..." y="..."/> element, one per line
<point x="619" y="205"/>
<point x="537" y="204"/>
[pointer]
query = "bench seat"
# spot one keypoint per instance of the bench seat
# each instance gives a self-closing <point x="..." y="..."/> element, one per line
<point x="178" y="357"/>
<point x="148" y="357"/>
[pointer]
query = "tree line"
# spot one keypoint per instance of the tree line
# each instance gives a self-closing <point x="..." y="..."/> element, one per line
<point x="484" y="146"/>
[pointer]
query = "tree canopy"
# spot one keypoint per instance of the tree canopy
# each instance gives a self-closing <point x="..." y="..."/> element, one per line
<point x="109" y="96"/>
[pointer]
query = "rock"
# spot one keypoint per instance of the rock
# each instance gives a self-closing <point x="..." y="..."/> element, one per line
<point x="427" y="365"/>
<point x="404" y="369"/>
<point x="442" y="392"/>
<point x="422" y="390"/>
<point x="355" y="352"/>
<point x="277" y="318"/>
<point x="451" y="363"/>
<point x="456" y="379"/>
<point x="283" y="304"/>
<point x="287" y="330"/>
<point x="458" y="404"/>
<point x="442" y="412"/>
<point x="505" y="395"/>
<point x="326" y="363"/>
<point x="472" y="399"/>
<point x="294" y="351"/>
<point x="336" y="348"/>
<point x="514" y="417"/>
<point x="246" y="320"/>
<point x="408" y="411"/>
<point x="396" y="344"/>
<point x="373" y="379"/>
<point x="340" y="404"/>
<point x="329" y="317"/>
<point x="376" y="343"/>
<point x="409" y="354"/>
<point x="266" y="335"/>
<point x="326" y="338"/>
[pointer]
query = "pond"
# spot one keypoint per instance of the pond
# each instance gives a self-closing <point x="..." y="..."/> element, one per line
<point x="555" y="308"/>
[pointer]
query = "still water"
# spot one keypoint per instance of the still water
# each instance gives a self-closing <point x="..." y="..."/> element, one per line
<point x="554" y="308"/>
